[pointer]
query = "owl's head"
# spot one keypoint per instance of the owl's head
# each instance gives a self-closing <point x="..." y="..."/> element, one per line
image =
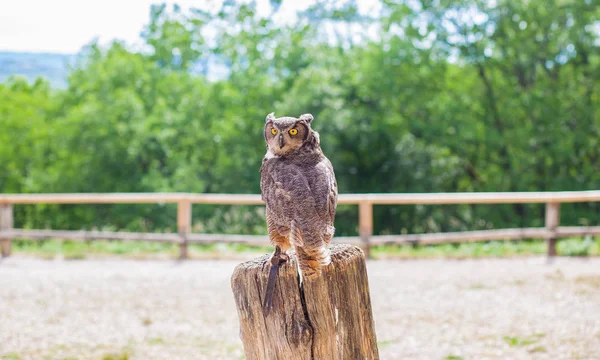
<point x="285" y="135"/>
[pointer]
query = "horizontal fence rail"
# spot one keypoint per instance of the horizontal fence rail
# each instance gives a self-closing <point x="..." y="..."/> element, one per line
<point x="251" y="199"/>
<point x="365" y="202"/>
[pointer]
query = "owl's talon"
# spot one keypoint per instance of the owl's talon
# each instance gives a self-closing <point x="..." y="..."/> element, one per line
<point x="277" y="259"/>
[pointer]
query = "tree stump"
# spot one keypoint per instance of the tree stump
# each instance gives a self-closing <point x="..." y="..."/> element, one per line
<point x="326" y="318"/>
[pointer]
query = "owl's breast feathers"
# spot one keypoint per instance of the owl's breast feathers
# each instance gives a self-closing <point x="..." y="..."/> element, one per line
<point x="299" y="189"/>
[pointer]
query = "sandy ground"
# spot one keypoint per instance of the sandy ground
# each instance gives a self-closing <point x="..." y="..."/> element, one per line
<point x="424" y="309"/>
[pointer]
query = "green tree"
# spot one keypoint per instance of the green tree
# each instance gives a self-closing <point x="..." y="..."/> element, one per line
<point x="423" y="96"/>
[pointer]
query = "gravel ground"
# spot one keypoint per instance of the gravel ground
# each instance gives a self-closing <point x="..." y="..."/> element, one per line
<point x="423" y="309"/>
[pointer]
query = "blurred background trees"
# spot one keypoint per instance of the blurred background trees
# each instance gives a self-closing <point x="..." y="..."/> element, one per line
<point x="414" y="96"/>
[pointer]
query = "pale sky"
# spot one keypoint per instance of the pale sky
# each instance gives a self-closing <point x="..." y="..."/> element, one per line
<point x="65" y="26"/>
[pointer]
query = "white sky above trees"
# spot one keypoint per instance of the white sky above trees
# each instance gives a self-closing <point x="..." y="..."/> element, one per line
<point x="65" y="26"/>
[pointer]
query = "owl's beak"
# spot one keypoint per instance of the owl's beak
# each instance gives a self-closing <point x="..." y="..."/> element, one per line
<point x="281" y="144"/>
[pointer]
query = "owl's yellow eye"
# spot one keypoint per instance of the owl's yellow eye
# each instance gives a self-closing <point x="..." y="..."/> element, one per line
<point x="293" y="132"/>
<point x="274" y="131"/>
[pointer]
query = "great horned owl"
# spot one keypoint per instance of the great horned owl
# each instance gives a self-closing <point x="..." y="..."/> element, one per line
<point x="300" y="191"/>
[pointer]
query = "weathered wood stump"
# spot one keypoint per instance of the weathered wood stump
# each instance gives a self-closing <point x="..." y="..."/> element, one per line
<point x="326" y="318"/>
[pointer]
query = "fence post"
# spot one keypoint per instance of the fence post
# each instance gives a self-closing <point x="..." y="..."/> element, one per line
<point x="552" y="222"/>
<point x="329" y="317"/>
<point x="6" y="223"/>
<point x="365" y="225"/>
<point x="184" y="226"/>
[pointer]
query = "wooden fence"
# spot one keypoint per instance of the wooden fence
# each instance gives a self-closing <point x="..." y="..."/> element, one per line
<point x="365" y="202"/>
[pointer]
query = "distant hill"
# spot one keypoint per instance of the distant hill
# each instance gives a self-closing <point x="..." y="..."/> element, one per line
<point x="54" y="67"/>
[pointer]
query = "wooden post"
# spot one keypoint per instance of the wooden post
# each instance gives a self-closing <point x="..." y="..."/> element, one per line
<point x="552" y="222"/>
<point x="6" y="223"/>
<point x="184" y="226"/>
<point x="326" y="318"/>
<point x="365" y="225"/>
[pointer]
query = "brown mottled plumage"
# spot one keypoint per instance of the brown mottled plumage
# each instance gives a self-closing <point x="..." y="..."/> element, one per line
<point x="299" y="188"/>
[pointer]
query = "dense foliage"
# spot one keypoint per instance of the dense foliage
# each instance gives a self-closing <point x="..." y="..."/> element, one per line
<point x="418" y="96"/>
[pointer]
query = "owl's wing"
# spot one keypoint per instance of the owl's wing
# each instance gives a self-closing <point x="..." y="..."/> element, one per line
<point x="287" y="193"/>
<point x="265" y="179"/>
<point x="333" y="194"/>
<point x="325" y="191"/>
<point x="277" y="182"/>
<point x="293" y="193"/>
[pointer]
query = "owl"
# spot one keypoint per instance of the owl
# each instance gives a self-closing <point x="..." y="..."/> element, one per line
<point x="299" y="189"/>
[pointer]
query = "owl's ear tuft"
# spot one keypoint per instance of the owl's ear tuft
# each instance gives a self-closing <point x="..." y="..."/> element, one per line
<point x="270" y="117"/>
<point x="307" y="117"/>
